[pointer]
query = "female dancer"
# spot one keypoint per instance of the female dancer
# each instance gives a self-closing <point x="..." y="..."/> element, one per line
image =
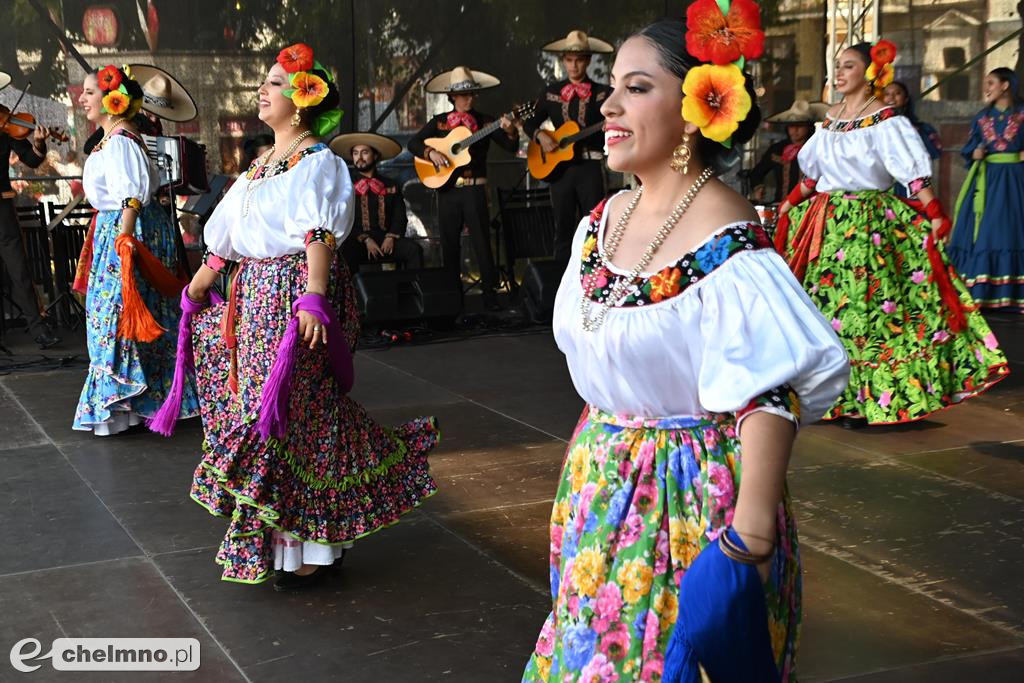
<point x="897" y="96"/>
<point x="679" y="323"/>
<point x="872" y="262"/>
<point x="298" y="466"/>
<point x="987" y="246"/>
<point x="131" y="358"/>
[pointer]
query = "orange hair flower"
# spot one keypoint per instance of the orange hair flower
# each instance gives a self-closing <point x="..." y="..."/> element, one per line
<point x="116" y="102"/>
<point x="715" y="100"/>
<point x="722" y="36"/>
<point x="880" y="75"/>
<point x="295" y="58"/>
<point x="308" y="90"/>
<point x="109" y="78"/>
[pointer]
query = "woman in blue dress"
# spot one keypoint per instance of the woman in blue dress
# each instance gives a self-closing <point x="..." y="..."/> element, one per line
<point x="987" y="247"/>
<point x="897" y="96"/>
<point x="131" y="327"/>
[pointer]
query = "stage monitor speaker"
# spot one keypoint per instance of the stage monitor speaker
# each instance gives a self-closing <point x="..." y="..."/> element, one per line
<point x="406" y="295"/>
<point x="540" y="283"/>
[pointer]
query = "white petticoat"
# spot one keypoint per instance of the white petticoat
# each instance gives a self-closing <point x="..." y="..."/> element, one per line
<point x="291" y="553"/>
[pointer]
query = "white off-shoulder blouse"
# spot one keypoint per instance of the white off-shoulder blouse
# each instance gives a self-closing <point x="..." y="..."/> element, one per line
<point x="868" y="153"/>
<point x="266" y="216"/>
<point x="714" y="332"/>
<point x="117" y="170"/>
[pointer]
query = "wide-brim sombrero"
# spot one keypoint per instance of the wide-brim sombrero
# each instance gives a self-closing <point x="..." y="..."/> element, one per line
<point x="461" y="79"/>
<point x="163" y="95"/>
<point x="802" y="111"/>
<point x="387" y="148"/>
<point x="579" y="42"/>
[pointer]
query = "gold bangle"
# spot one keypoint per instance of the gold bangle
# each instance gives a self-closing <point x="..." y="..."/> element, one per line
<point x="733" y="552"/>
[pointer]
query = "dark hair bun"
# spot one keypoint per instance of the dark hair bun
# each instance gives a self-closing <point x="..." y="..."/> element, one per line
<point x="668" y="37"/>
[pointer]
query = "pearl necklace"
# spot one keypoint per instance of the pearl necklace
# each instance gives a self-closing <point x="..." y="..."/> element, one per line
<point x="251" y="187"/>
<point x="605" y="302"/>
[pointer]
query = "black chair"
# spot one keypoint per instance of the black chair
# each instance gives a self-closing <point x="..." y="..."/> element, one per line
<point x="67" y="238"/>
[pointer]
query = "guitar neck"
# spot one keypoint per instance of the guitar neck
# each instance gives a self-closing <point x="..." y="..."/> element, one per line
<point x="586" y="132"/>
<point x="481" y="133"/>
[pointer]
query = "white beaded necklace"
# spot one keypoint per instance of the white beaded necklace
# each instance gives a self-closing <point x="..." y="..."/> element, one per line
<point x="251" y="187"/>
<point x="606" y="301"/>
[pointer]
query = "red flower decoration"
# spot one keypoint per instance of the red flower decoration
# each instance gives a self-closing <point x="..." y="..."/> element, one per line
<point x="883" y="52"/>
<point x="109" y="78"/>
<point x="722" y="38"/>
<point x="295" y="58"/>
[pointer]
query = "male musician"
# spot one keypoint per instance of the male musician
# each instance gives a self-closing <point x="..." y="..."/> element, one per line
<point x="779" y="159"/>
<point x="578" y="185"/>
<point x="12" y="249"/>
<point x="379" y="230"/>
<point x="463" y="199"/>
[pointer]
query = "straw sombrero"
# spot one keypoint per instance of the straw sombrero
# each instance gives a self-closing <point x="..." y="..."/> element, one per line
<point x="386" y="147"/>
<point x="5" y="79"/>
<point x="164" y="95"/>
<point x="461" y="79"/>
<point x="802" y="111"/>
<point x="580" y="42"/>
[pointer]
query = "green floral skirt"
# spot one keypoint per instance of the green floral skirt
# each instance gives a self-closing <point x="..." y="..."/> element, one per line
<point x="637" y="501"/>
<point x="870" y="275"/>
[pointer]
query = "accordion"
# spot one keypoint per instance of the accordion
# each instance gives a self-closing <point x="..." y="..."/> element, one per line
<point x="181" y="162"/>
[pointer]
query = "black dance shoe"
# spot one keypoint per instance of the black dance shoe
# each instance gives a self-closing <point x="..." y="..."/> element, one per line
<point x="46" y="339"/>
<point x="853" y="423"/>
<point x="292" y="582"/>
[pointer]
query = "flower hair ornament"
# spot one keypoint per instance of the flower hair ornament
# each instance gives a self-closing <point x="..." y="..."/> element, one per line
<point x="310" y="83"/>
<point x="880" y="72"/>
<point x="724" y="34"/>
<point x="123" y="94"/>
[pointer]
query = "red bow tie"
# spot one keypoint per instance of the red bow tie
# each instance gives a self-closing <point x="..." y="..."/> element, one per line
<point x="364" y="185"/>
<point x="581" y="90"/>
<point x="462" y="118"/>
<point x="790" y="151"/>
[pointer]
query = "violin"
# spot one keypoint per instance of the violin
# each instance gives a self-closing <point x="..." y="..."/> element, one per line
<point x="20" y="125"/>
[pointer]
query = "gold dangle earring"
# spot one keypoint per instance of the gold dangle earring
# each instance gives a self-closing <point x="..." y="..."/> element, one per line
<point x="296" y="118"/>
<point x="681" y="156"/>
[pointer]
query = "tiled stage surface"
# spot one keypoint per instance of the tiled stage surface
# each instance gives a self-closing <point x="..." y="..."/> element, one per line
<point x="913" y="536"/>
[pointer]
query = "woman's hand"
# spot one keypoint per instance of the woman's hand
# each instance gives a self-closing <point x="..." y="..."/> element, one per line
<point x="311" y="329"/>
<point x="979" y="153"/>
<point x="784" y="208"/>
<point x="937" y="224"/>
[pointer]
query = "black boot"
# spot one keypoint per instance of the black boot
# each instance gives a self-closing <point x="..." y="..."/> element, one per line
<point x="46" y="338"/>
<point x="853" y="423"/>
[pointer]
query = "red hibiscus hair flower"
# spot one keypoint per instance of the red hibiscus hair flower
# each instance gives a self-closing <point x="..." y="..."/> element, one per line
<point x="109" y="78"/>
<point x="883" y="52"/>
<point x="720" y="38"/>
<point x="295" y="58"/>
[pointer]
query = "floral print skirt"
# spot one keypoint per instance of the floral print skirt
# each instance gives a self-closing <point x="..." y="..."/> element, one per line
<point x="873" y="280"/>
<point x="128" y="377"/>
<point x="337" y="475"/>
<point x="637" y="501"/>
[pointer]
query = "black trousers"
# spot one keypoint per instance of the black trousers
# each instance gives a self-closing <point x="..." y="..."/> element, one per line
<point x="460" y="206"/>
<point x="577" y="190"/>
<point x="406" y="252"/>
<point x="12" y="251"/>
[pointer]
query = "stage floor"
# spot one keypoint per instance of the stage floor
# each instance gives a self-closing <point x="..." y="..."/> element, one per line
<point x="912" y="536"/>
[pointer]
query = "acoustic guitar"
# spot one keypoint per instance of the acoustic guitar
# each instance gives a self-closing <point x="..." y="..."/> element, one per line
<point x="542" y="163"/>
<point x="455" y="147"/>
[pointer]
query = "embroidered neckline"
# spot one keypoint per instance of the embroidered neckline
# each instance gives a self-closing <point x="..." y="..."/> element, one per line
<point x="598" y="277"/>
<point x="134" y="137"/>
<point x="999" y="143"/>
<point x="257" y="171"/>
<point x="850" y="125"/>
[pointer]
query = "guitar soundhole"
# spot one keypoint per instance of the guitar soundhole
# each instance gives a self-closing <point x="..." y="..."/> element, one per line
<point x="457" y="148"/>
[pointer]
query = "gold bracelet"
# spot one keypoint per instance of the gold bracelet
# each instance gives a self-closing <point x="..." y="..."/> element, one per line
<point x="734" y="552"/>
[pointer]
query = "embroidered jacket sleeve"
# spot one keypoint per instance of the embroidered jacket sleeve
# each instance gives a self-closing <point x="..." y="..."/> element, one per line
<point x="417" y="144"/>
<point x="398" y="220"/>
<point x="766" y="347"/>
<point x="543" y="113"/>
<point x="974" y="140"/>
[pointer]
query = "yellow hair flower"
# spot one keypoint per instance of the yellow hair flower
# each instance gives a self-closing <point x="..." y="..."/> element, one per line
<point x="715" y="100"/>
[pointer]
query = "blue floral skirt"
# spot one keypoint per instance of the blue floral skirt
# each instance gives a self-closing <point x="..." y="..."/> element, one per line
<point x="126" y="377"/>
